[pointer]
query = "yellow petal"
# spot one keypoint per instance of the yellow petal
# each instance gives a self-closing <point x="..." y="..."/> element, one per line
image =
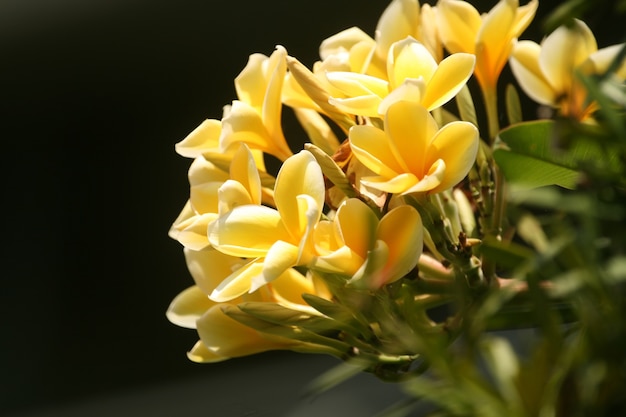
<point x="227" y="338"/>
<point x="194" y="235"/>
<point x="232" y="194"/>
<point x="272" y="103"/>
<point x="300" y="174"/>
<point x="357" y="224"/>
<point x="290" y="286"/>
<point x="524" y="15"/>
<point x="366" y="106"/>
<point x="279" y="258"/>
<point x="564" y="50"/>
<point x="603" y="58"/>
<point x="210" y="267"/>
<point x="399" y="20"/>
<point x="431" y="179"/>
<point x="185" y="218"/>
<point x="412" y="89"/>
<point x="203" y="197"/>
<point x="202" y="139"/>
<point x="247" y="231"/>
<point x="342" y="42"/>
<point x="341" y="261"/>
<point x="238" y="283"/>
<point x="410" y="129"/>
<point x="243" y="169"/>
<point x="451" y="75"/>
<point x="525" y="66"/>
<point x="251" y="82"/>
<point x="244" y="124"/>
<point x="188" y="306"/>
<point x="370" y="145"/>
<point x="354" y="84"/>
<point x="409" y="58"/>
<point x="395" y="185"/>
<point x="457" y="145"/>
<point x="459" y="23"/>
<point x="402" y="231"/>
<point x="202" y="171"/>
<point x="494" y="41"/>
<point x="199" y="353"/>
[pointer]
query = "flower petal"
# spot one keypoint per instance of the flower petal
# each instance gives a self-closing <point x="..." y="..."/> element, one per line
<point x="371" y="146"/>
<point x="342" y="42"/>
<point x="412" y="89"/>
<point x="402" y="231"/>
<point x="524" y="63"/>
<point x="459" y="23"/>
<point x="563" y="51"/>
<point x="244" y="170"/>
<point x="367" y="106"/>
<point x="194" y="235"/>
<point x="232" y="194"/>
<point x="409" y="58"/>
<point x="300" y="174"/>
<point x="399" y="20"/>
<point x="202" y="139"/>
<point x="456" y="144"/>
<point x="238" y="283"/>
<point x="354" y="84"/>
<point x="451" y="75"/>
<point x="210" y="267"/>
<point x="395" y="185"/>
<point x="188" y="306"/>
<point x="247" y="231"/>
<point x="227" y="338"/>
<point x="279" y="258"/>
<point x="357" y="224"/>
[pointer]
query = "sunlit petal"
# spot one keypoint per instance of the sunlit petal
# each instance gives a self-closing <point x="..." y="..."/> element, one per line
<point x="232" y="194"/>
<point x="201" y="354"/>
<point x="247" y="231"/>
<point x="494" y="41"/>
<point x="367" y="106"/>
<point x="398" y="184"/>
<point x="203" y="197"/>
<point x="243" y="169"/>
<point x="412" y="89"/>
<point x="602" y="59"/>
<point x="300" y="174"/>
<point x="290" y="286"/>
<point x="357" y="223"/>
<point x="372" y="147"/>
<point x="202" y="171"/>
<point x="279" y="258"/>
<point x="342" y="42"/>
<point x="399" y="20"/>
<point x="194" y="234"/>
<point x="409" y="58"/>
<point x="342" y="261"/>
<point x="459" y="23"/>
<point x="431" y="180"/>
<point x="272" y="103"/>
<point x="354" y="84"/>
<point x="451" y="75"/>
<point x="202" y="139"/>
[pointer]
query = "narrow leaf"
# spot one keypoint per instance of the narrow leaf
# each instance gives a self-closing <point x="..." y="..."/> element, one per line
<point x="331" y="170"/>
<point x="513" y="105"/>
<point x="466" y="107"/>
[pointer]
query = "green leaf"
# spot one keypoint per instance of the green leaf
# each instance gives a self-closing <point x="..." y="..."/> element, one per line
<point x="527" y="156"/>
<point x="513" y="105"/>
<point x="338" y="312"/>
<point x="466" y="106"/>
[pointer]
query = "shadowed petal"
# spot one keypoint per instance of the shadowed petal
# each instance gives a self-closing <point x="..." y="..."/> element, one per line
<point x="279" y="258"/>
<point x="238" y="283"/>
<point x="399" y="20"/>
<point x="210" y="267"/>
<point x="357" y="224"/>
<point x="188" y="306"/>
<point x="395" y="185"/>
<point x="232" y="194"/>
<point x="244" y="170"/>
<point x="456" y="144"/>
<point x="201" y="354"/>
<point x="194" y="234"/>
<point x="459" y="23"/>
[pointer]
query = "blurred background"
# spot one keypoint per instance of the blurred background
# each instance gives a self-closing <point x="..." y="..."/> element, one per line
<point x="94" y="95"/>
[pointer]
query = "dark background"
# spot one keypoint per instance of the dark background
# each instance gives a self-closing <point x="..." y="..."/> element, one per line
<point x="94" y="95"/>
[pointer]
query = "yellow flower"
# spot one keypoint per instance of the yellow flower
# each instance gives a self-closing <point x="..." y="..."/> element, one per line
<point x="277" y="239"/>
<point x="546" y="72"/>
<point x="255" y="119"/>
<point x="412" y="73"/>
<point x="213" y="191"/>
<point x="372" y="252"/>
<point x="412" y="154"/>
<point x="490" y="36"/>
<point x="222" y="337"/>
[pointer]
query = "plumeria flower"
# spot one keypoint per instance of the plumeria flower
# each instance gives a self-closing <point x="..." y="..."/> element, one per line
<point x="412" y="154"/>
<point x="255" y="119"/>
<point x="371" y="252"/>
<point x="276" y="239"/>
<point x="546" y="72"/>
<point x="490" y="36"/>
<point x="212" y="191"/>
<point x="412" y="73"/>
<point x="222" y="337"/>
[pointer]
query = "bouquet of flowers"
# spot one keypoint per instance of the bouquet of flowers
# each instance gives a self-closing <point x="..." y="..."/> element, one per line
<point x="404" y="226"/>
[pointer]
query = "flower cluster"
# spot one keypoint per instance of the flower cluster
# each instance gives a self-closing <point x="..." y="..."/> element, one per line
<point x="346" y="249"/>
